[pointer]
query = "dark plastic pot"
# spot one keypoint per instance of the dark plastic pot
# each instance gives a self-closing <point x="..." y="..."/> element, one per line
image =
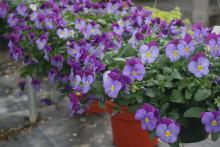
<point x="194" y="132"/>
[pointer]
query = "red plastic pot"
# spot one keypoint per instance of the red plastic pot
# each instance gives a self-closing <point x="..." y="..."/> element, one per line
<point x="127" y="131"/>
<point x="94" y="108"/>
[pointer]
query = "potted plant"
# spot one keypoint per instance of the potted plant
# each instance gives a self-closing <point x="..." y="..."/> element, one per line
<point x="167" y="75"/>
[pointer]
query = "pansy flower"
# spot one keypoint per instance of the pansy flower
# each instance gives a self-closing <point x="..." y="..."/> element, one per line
<point x="149" y="53"/>
<point x="200" y="32"/>
<point x="92" y="29"/>
<point x="12" y="20"/>
<point x="186" y="46"/>
<point x="149" y="117"/>
<point x="4" y="8"/>
<point x="87" y="80"/>
<point x="211" y="120"/>
<point x="134" y="68"/>
<point x="172" y="51"/>
<point x="112" y="84"/>
<point x="57" y="61"/>
<point x="42" y="41"/>
<point x="199" y="65"/>
<point x="213" y="42"/>
<point x="49" y="23"/>
<point x="21" y="9"/>
<point x="167" y="130"/>
<point x="80" y="24"/>
<point x="63" y="33"/>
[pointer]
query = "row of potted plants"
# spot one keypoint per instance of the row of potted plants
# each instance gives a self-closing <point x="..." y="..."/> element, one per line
<point x="162" y="76"/>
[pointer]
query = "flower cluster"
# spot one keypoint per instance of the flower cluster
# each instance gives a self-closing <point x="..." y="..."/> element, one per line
<point x="166" y="129"/>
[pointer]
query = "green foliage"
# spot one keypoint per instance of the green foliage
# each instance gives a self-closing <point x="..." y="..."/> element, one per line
<point x="194" y="112"/>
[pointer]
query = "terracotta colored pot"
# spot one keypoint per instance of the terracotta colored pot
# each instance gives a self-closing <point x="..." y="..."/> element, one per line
<point x="127" y="131"/>
<point x="95" y="108"/>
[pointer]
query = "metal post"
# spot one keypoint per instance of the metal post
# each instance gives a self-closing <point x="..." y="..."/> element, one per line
<point x="33" y="114"/>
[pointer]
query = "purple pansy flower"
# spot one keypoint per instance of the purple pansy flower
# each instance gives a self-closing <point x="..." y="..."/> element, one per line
<point x="80" y="24"/>
<point x="52" y="76"/>
<point x="134" y="68"/>
<point x="117" y="29"/>
<point x="111" y="83"/>
<point x="16" y="53"/>
<point x="75" y="79"/>
<point x="36" y="84"/>
<point x="74" y="50"/>
<point x="200" y="32"/>
<point x="63" y="33"/>
<point x="21" y="9"/>
<point x="42" y="41"/>
<point x="92" y="29"/>
<point x="87" y="80"/>
<point x="172" y="51"/>
<point x="12" y="20"/>
<point x="49" y="23"/>
<point x="148" y="116"/>
<point x="199" y="65"/>
<point x="149" y="53"/>
<point x="168" y="130"/>
<point x="74" y="104"/>
<point x="211" y="120"/>
<point x="186" y="46"/>
<point x="4" y="8"/>
<point x="57" y="61"/>
<point x="213" y="42"/>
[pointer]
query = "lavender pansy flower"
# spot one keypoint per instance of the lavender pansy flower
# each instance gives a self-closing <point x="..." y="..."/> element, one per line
<point x="63" y="33"/>
<point x="168" y="130"/>
<point x="80" y="24"/>
<point x="199" y="65"/>
<point x="149" y="53"/>
<point x="57" y="61"/>
<point x="149" y="116"/>
<point x="21" y="9"/>
<point x="213" y="42"/>
<point x="111" y="84"/>
<point x="117" y="29"/>
<point x="87" y="80"/>
<point x="4" y="8"/>
<point x="49" y="23"/>
<point x="134" y="68"/>
<point x="200" y="32"/>
<point x="52" y="76"/>
<point x="92" y="29"/>
<point x="186" y="46"/>
<point x="42" y="41"/>
<point x="211" y="120"/>
<point x="12" y="20"/>
<point x="172" y="51"/>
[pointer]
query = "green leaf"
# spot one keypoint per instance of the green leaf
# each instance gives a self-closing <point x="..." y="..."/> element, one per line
<point x="175" y="144"/>
<point x="215" y="136"/>
<point x="177" y="75"/>
<point x="150" y="92"/>
<point x="177" y="97"/>
<point x="188" y="94"/>
<point x="168" y="84"/>
<point x="160" y="77"/>
<point x="193" y="112"/>
<point x="164" y="108"/>
<point x="202" y="94"/>
<point x="167" y="70"/>
<point x="152" y="135"/>
<point x="139" y="99"/>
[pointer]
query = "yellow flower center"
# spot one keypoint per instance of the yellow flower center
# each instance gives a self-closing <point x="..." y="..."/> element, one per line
<point x="87" y="83"/>
<point x="92" y="30"/>
<point x="175" y="53"/>
<point x="167" y="133"/>
<point x="199" y="67"/>
<point x="147" y="120"/>
<point x="62" y="33"/>
<point x="134" y="73"/>
<point x="214" y="123"/>
<point x="78" y="93"/>
<point x="186" y="49"/>
<point x="148" y="54"/>
<point x="42" y="44"/>
<point x="112" y="88"/>
<point x="73" y="51"/>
